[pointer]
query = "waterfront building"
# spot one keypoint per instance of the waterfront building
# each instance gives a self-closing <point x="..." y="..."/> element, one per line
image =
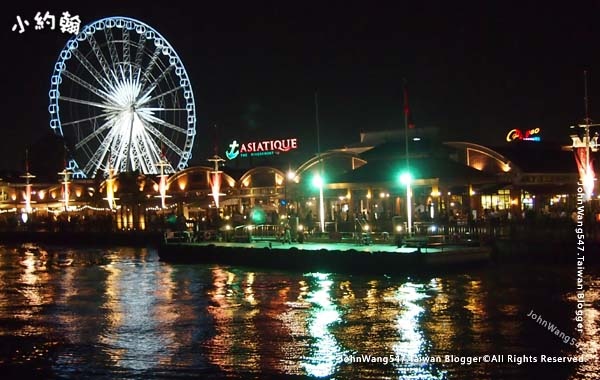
<point x="454" y="181"/>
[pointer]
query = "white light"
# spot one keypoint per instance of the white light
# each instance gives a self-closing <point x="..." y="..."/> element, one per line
<point x="406" y="178"/>
<point x="318" y="181"/>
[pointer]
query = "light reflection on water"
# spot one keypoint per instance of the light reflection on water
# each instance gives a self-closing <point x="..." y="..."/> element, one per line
<point x="324" y="351"/>
<point x="124" y="314"/>
<point x="411" y="346"/>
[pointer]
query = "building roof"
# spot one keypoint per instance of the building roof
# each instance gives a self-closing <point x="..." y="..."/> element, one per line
<point x="539" y="157"/>
<point x="388" y="171"/>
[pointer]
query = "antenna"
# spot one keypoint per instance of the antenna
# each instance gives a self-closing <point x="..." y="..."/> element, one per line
<point x="585" y="98"/>
<point x="406" y="111"/>
<point x="317" y="124"/>
<point x="216" y="140"/>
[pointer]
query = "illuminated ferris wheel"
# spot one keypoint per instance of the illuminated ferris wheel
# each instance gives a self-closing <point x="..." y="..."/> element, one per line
<point x="122" y="100"/>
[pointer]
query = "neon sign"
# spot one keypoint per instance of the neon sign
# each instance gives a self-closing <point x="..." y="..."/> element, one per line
<point x="517" y="134"/>
<point x="260" y="148"/>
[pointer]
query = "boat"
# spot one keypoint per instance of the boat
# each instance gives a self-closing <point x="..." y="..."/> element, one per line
<point x="31" y="248"/>
<point x="329" y="257"/>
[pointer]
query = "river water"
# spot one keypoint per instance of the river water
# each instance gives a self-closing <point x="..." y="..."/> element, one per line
<point x="122" y="314"/>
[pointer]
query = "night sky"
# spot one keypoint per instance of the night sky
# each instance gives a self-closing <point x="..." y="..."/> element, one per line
<point x="474" y="70"/>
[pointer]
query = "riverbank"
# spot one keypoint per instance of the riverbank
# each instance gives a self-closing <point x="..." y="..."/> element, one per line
<point x="83" y="238"/>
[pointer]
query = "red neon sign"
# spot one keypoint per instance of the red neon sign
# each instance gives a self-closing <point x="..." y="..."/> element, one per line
<point x="517" y="134"/>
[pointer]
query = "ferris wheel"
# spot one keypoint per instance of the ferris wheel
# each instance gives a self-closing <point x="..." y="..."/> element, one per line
<point x="122" y="100"/>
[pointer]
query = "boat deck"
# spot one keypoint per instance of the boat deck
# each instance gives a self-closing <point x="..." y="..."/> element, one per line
<point x="337" y="246"/>
<point x="328" y="256"/>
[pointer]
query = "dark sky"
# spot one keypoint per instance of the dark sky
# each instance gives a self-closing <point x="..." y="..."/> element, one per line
<point x="473" y="69"/>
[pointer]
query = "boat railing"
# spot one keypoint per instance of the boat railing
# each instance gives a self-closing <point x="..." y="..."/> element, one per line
<point x="254" y="232"/>
<point x="177" y="237"/>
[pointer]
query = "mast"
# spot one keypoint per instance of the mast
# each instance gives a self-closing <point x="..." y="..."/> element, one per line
<point x="28" y="176"/>
<point x="588" y="145"/>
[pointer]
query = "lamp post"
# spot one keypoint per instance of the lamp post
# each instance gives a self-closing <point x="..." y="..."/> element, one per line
<point x="290" y="176"/>
<point x="406" y="179"/>
<point x="65" y="173"/>
<point x="318" y="182"/>
<point x="162" y="184"/>
<point x="28" y="176"/>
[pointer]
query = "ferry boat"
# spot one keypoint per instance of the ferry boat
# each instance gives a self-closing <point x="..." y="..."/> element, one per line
<point x="330" y="257"/>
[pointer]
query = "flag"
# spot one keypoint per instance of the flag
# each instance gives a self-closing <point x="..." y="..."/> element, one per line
<point x="407" y="118"/>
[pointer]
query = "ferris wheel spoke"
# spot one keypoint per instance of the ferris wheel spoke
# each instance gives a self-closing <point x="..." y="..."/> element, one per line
<point x="144" y="77"/>
<point x="139" y="54"/>
<point x="142" y="152"/>
<point x="148" y="89"/>
<point x="158" y="134"/>
<point x="162" y="109"/>
<point x="88" y="118"/>
<point x="90" y="68"/>
<point x="99" y="55"/>
<point x="117" y="151"/>
<point x="95" y="162"/>
<point x="144" y="101"/>
<point x="126" y="42"/>
<point x="114" y="56"/>
<point x="122" y="148"/>
<point x="153" y="148"/>
<point x="147" y="152"/>
<point x="95" y="104"/>
<point x="109" y="123"/>
<point x="154" y="119"/>
<point x="133" y="156"/>
<point x="85" y="85"/>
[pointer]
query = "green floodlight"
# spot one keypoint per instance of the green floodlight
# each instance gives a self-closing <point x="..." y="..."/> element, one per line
<point x="258" y="215"/>
<point x="318" y="181"/>
<point x="405" y="178"/>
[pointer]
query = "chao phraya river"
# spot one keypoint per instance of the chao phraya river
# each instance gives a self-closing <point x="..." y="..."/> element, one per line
<point x="122" y="314"/>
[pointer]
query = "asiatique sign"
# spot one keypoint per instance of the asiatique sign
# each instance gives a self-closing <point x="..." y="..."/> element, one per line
<point x="260" y="148"/>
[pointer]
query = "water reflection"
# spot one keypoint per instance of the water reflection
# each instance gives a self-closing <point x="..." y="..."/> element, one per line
<point x="412" y="349"/>
<point x="133" y="331"/>
<point x="324" y="353"/>
<point x="123" y="314"/>
<point x="588" y="343"/>
<point x="235" y="344"/>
